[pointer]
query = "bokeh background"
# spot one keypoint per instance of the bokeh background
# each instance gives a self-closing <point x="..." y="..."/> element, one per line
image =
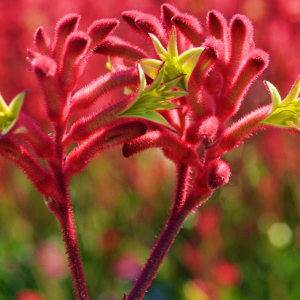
<point x="244" y="243"/>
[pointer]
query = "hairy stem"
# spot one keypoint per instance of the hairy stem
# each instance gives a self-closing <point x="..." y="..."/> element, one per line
<point x="65" y="217"/>
<point x="166" y="239"/>
<point x="72" y="247"/>
<point x="183" y="177"/>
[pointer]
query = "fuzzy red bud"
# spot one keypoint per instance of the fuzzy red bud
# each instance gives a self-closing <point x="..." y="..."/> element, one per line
<point x="210" y="56"/>
<point x="42" y="41"/>
<point x="145" y="24"/>
<point x="190" y="27"/>
<point x="31" y="54"/>
<point x="168" y="11"/>
<point x="130" y="16"/>
<point x="114" y="46"/>
<point x="76" y="46"/>
<point x="78" y="158"/>
<point x="218" y="174"/>
<point x="44" y="65"/>
<point x="65" y="26"/>
<point x="88" y="95"/>
<point x="41" y="143"/>
<point x="205" y="131"/>
<point x="41" y="179"/>
<point x="45" y="70"/>
<point x="230" y="103"/>
<point x="87" y="126"/>
<point x="241" y="36"/>
<point x="217" y="25"/>
<point x="164" y="140"/>
<point x="100" y="29"/>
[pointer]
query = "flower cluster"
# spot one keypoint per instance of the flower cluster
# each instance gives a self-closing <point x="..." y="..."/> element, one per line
<point x="181" y="103"/>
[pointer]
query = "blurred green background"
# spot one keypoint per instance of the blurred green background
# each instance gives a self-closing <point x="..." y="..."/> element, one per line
<point x="244" y="243"/>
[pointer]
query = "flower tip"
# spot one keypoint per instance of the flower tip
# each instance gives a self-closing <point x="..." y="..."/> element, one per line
<point x="152" y="35"/>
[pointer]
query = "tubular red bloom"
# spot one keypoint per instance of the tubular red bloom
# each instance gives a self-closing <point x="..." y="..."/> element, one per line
<point x="114" y="46"/>
<point x="190" y="27"/>
<point x="78" y="158"/>
<point x="164" y="140"/>
<point x="42" y="41"/>
<point x="232" y="99"/>
<point x="41" y="179"/>
<point x="64" y="28"/>
<point x="241" y="41"/>
<point x="217" y="25"/>
<point x="100" y="29"/>
<point x="88" y="95"/>
<point x="75" y="47"/>
<point x="41" y="143"/>
<point x="168" y="11"/>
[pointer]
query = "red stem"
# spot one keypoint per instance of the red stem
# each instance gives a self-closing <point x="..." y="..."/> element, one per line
<point x="75" y="263"/>
<point x="159" y="252"/>
<point x="183" y="176"/>
<point x="166" y="239"/>
<point x="65" y="217"/>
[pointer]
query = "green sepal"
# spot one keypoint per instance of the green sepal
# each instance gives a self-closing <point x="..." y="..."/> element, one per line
<point x="175" y="94"/>
<point x="286" y="113"/>
<point x="172" y="83"/>
<point x="8" y="128"/>
<point x="293" y="94"/>
<point x="16" y="104"/>
<point x="158" y="79"/>
<point x="174" y="65"/>
<point x="3" y="105"/>
<point x="168" y="105"/>
<point x="188" y="61"/>
<point x="283" y="118"/>
<point x="161" y="51"/>
<point x="276" y="99"/>
<point x="151" y="66"/>
<point x="151" y="116"/>
<point x="9" y="114"/>
<point x="156" y="97"/>
<point x="172" y="47"/>
<point x="143" y="81"/>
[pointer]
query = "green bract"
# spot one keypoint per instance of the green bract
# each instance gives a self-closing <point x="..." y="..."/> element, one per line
<point x="156" y="97"/>
<point x="9" y="114"/>
<point x="174" y="65"/>
<point x="284" y="113"/>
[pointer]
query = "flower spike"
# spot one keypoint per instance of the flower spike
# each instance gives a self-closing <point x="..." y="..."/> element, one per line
<point x="9" y="114"/>
<point x="284" y="113"/>
<point x="156" y="97"/>
<point x="174" y="65"/>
